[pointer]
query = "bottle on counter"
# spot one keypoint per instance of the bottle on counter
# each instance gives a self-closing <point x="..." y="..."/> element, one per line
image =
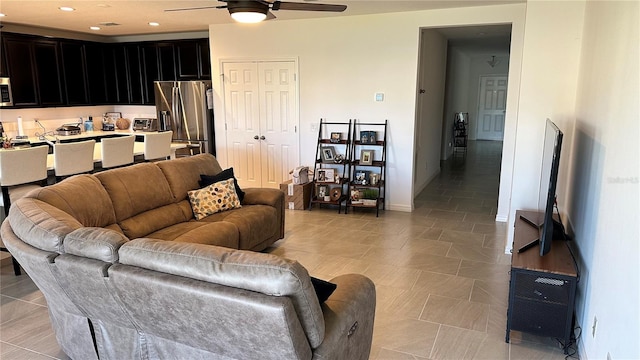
<point x="88" y="125"/>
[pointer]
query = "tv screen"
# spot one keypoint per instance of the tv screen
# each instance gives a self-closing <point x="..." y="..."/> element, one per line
<point x="548" y="182"/>
<point x="547" y="192"/>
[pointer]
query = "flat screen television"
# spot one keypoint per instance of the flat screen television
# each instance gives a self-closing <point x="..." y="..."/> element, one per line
<point x="547" y="192"/>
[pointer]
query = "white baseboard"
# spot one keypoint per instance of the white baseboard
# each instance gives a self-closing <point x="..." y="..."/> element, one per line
<point x="403" y="208"/>
<point x="502" y="218"/>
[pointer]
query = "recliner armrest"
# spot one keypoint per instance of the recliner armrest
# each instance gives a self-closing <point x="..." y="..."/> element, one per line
<point x="271" y="197"/>
<point x="349" y="315"/>
<point x="263" y="196"/>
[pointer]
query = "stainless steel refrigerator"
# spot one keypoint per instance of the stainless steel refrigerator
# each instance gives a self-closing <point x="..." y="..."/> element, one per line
<point x="186" y="108"/>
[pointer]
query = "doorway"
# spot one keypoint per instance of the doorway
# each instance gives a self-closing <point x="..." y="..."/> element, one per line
<point x="261" y="120"/>
<point x="471" y="52"/>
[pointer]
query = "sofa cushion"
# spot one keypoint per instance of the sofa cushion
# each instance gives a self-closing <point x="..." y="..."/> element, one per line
<point x="264" y="273"/>
<point x="217" y="197"/>
<point x="95" y="243"/>
<point x="183" y="174"/>
<point x="225" y="174"/>
<point x="41" y="225"/>
<point x="219" y="233"/>
<point x="82" y="197"/>
<point x="136" y="189"/>
<point x="147" y="222"/>
<point x="255" y="223"/>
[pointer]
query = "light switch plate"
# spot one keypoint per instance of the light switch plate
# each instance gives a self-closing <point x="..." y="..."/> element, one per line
<point x="379" y="96"/>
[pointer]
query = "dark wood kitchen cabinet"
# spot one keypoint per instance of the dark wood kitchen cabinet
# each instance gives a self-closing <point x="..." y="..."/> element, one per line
<point x="34" y="69"/>
<point x="193" y="59"/>
<point x="64" y="72"/>
<point x="21" y="70"/>
<point x="74" y="72"/>
<point x="96" y="77"/>
<point x="48" y="76"/>
<point x="134" y="74"/>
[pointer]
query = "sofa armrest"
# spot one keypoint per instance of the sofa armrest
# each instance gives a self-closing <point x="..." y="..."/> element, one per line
<point x="349" y="315"/>
<point x="271" y="197"/>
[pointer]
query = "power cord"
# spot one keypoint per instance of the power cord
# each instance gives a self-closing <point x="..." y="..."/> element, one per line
<point x="572" y="346"/>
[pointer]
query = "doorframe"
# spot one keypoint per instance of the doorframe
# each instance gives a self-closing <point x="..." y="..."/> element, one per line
<point x="223" y="154"/>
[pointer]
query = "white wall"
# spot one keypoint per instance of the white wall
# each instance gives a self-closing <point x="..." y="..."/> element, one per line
<point x="548" y="90"/>
<point x="343" y="62"/>
<point x="432" y="74"/>
<point x="457" y="95"/>
<point x="601" y="192"/>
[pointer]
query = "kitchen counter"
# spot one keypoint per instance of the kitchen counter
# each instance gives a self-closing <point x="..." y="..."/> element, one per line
<point x="96" y="134"/>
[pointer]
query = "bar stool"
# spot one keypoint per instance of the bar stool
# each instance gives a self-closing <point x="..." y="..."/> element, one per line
<point x="73" y="158"/>
<point x="21" y="170"/>
<point x="117" y="151"/>
<point x="157" y="146"/>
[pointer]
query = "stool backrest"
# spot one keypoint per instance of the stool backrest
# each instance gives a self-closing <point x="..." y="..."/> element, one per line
<point x="117" y="151"/>
<point x="22" y="166"/>
<point x="157" y="145"/>
<point x="73" y="158"/>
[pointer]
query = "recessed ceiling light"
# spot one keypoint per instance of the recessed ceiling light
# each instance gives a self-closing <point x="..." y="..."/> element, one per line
<point x="154" y="24"/>
<point x="66" y="8"/>
<point x="96" y="28"/>
<point x="2" y="15"/>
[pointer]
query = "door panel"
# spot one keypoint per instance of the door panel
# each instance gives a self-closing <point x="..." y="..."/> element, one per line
<point x="241" y="117"/>
<point x="260" y="102"/>
<point x="492" y="107"/>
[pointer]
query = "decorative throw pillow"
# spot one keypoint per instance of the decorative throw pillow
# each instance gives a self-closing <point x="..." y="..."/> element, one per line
<point x="323" y="289"/>
<point x="214" y="198"/>
<point x="206" y="180"/>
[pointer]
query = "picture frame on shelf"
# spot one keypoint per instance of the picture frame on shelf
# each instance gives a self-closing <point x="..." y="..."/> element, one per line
<point x="113" y="116"/>
<point x="368" y="137"/>
<point x="355" y="196"/>
<point x="335" y="193"/>
<point x="326" y="175"/>
<point x="335" y="137"/>
<point x="366" y="157"/>
<point x="361" y="177"/>
<point x="323" y="190"/>
<point x="328" y="154"/>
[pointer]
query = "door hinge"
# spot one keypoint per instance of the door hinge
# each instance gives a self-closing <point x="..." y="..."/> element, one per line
<point x="295" y="129"/>
<point x="295" y="77"/>
<point x="225" y="126"/>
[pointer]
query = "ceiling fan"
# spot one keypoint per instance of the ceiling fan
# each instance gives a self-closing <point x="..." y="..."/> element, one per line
<point x="253" y="11"/>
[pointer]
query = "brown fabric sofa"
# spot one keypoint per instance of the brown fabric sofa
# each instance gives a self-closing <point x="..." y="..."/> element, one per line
<point x="150" y="200"/>
<point x="171" y="293"/>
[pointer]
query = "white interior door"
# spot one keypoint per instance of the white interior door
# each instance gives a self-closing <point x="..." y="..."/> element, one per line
<point x="262" y="120"/>
<point x="492" y="107"/>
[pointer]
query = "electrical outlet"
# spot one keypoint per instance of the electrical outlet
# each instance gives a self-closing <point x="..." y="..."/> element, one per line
<point x="313" y="128"/>
<point x="593" y="328"/>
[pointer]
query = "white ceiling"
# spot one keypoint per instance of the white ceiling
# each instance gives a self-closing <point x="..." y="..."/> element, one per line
<point x="134" y="16"/>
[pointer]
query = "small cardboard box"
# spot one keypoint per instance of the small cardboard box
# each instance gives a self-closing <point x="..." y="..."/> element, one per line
<point x="296" y="196"/>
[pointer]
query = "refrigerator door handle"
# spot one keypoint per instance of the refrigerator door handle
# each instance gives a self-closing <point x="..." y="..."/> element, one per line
<point x="175" y="108"/>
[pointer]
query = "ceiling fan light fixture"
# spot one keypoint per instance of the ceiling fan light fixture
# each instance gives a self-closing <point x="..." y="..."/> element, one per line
<point x="248" y="17"/>
<point x="248" y="13"/>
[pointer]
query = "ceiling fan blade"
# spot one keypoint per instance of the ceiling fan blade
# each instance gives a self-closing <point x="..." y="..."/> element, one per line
<point x="280" y="5"/>
<point x="198" y="8"/>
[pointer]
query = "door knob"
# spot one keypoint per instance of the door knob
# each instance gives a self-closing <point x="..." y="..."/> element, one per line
<point x="262" y="137"/>
<point x="256" y="137"/>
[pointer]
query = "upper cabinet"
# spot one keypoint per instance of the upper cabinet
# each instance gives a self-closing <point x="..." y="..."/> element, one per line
<point x="74" y="72"/>
<point x="62" y="72"/>
<point x="33" y="67"/>
<point x="193" y="60"/>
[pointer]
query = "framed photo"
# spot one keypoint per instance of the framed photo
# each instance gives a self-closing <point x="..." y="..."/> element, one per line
<point x="335" y="137"/>
<point x="326" y="175"/>
<point x="328" y="154"/>
<point x="113" y="116"/>
<point x="362" y="177"/>
<point x="366" y="157"/>
<point x="368" y="137"/>
<point x="323" y="190"/>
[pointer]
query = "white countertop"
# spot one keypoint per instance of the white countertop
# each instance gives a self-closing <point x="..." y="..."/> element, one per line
<point x="85" y="135"/>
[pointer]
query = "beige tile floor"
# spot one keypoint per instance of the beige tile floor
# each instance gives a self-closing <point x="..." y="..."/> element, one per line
<point x="441" y="273"/>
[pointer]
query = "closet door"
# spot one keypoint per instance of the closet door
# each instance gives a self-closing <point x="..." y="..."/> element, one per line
<point x="261" y="117"/>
